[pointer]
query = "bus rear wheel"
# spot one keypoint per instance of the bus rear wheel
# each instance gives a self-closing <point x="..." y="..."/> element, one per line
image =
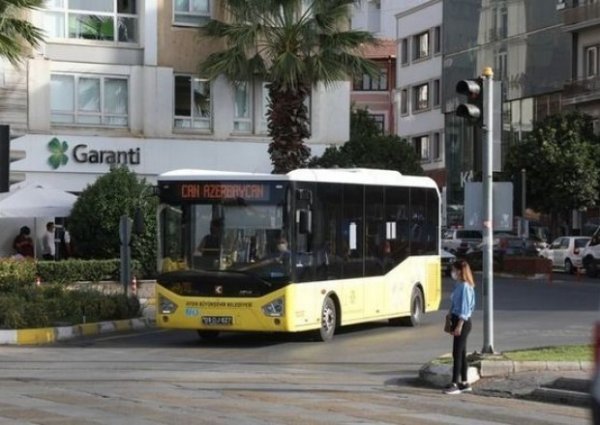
<point x="208" y="335"/>
<point x="328" y="321"/>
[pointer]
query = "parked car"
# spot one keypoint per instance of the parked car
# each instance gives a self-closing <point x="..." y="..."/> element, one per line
<point x="510" y="244"/>
<point x="447" y="260"/>
<point x="460" y="241"/>
<point x="566" y="252"/>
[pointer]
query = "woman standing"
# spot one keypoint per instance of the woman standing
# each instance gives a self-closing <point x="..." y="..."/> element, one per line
<point x="461" y="309"/>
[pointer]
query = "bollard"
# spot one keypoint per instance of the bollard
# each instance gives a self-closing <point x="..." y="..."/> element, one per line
<point x="134" y="286"/>
<point x="549" y="266"/>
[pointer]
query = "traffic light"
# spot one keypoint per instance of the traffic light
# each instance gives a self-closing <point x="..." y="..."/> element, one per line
<point x="6" y="157"/>
<point x="472" y="110"/>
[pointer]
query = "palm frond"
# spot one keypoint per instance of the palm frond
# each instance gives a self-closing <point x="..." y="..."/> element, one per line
<point x="15" y="32"/>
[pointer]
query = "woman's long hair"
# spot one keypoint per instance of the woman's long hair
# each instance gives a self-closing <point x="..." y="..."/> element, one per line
<point x="464" y="271"/>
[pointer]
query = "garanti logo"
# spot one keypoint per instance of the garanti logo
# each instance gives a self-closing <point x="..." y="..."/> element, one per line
<point x="58" y="155"/>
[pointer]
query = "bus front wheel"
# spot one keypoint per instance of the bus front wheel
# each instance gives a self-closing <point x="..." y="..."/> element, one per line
<point x="328" y="321"/>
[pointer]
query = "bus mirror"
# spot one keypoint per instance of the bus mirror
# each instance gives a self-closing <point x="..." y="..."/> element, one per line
<point x="304" y="222"/>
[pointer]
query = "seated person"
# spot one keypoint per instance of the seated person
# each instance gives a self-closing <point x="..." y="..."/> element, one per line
<point x="211" y="243"/>
<point x="23" y="243"/>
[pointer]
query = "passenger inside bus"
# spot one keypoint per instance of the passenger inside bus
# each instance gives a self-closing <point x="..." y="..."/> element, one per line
<point x="282" y="252"/>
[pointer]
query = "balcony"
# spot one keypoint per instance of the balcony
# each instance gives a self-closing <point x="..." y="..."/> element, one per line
<point x="578" y="17"/>
<point x="582" y="90"/>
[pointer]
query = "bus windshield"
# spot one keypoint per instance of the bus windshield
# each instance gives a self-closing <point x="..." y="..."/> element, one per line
<point x="243" y="238"/>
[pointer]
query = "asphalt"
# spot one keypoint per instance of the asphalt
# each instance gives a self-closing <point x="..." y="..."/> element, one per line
<point x="552" y="382"/>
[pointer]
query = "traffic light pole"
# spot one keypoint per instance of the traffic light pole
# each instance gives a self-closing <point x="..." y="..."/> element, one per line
<point x="488" y="213"/>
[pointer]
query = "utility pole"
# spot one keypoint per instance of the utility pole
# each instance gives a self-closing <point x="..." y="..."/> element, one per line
<point x="478" y="110"/>
<point x="488" y="212"/>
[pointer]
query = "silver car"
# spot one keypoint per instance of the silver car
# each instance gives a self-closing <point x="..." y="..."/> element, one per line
<point x="565" y="252"/>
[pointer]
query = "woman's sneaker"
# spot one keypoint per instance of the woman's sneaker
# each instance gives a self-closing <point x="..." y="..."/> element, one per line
<point x="452" y="389"/>
<point x="465" y="388"/>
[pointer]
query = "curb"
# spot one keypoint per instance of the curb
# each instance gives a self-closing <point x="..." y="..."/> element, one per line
<point x="439" y="375"/>
<point x="62" y="333"/>
<point x="559" y="396"/>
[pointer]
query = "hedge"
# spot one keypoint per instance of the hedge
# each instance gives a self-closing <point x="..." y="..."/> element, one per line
<point x="55" y="305"/>
<point x="19" y="272"/>
<point x="23" y="304"/>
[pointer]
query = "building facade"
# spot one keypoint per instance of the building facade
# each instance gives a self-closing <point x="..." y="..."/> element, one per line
<point x="419" y="75"/>
<point x="525" y="43"/>
<point x="376" y="95"/>
<point x="116" y="82"/>
<point x="581" y="20"/>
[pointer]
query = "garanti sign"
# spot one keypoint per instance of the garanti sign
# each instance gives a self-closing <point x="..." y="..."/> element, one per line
<point x="83" y="154"/>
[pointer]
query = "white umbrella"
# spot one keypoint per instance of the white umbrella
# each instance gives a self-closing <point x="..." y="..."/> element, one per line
<point x="36" y="200"/>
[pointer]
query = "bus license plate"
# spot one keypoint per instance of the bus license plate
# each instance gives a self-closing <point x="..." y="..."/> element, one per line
<point x="217" y="320"/>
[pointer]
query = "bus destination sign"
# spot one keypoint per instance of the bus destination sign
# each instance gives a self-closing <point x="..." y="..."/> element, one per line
<point x="218" y="190"/>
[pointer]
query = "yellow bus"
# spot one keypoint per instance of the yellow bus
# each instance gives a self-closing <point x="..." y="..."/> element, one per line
<point x="308" y="251"/>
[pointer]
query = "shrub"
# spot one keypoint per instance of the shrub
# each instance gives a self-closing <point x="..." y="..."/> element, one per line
<point x="16" y="273"/>
<point x="95" y="218"/>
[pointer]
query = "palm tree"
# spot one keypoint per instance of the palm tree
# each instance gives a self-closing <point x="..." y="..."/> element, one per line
<point x="16" y="32"/>
<point x="291" y="45"/>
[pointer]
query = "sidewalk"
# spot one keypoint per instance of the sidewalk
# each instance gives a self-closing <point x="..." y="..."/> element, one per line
<point x="555" y="382"/>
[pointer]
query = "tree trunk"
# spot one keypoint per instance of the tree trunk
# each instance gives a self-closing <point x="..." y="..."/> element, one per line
<point x="288" y="127"/>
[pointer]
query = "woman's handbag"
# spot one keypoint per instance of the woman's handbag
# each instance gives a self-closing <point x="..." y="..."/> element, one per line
<point x="448" y="324"/>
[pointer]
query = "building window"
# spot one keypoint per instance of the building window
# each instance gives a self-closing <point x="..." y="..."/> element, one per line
<point x="242" y="107"/>
<point x="404" y="51"/>
<point x="421" y="97"/>
<point x="437" y="40"/>
<point x="264" y="105"/>
<point x="436" y="92"/>
<point x="501" y="65"/>
<point x="89" y="100"/>
<point x="193" y="13"/>
<point x="421" y="145"/>
<point x="366" y="83"/>
<point x="379" y="120"/>
<point x="591" y="61"/>
<point x="99" y="20"/>
<point x="374" y="16"/>
<point x="192" y="103"/>
<point x="436" y="149"/>
<point x="421" y="45"/>
<point x="404" y="102"/>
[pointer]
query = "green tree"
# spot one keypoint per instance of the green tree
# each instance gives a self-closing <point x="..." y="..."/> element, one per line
<point x="292" y="45"/>
<point x="95" y="218"/>
<point x="368" y="148"/>
<point x="560" y="157"/>
<point x="15" y="32"/>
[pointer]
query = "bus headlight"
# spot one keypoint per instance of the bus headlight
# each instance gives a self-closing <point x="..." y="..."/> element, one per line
<point x="166" y="306"/>
<point x="274" y="309"/>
